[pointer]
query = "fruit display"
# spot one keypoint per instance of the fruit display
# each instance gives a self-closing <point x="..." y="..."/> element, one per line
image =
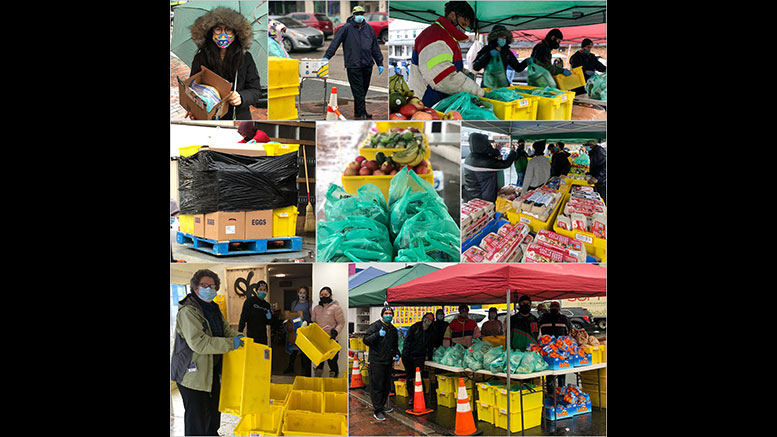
<point x="404" y="105"/>
<point x="403" y="148"/>
<point x="396" y="138"/>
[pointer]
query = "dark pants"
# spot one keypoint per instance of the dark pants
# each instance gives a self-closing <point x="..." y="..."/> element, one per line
<point x="380" y="385"/>
<point x="304" y="360"/>
<point x="359" y="79"/>
<point x="333" y="366"/>
<point x="201" y="409"/>
<point x="410" y="365"/>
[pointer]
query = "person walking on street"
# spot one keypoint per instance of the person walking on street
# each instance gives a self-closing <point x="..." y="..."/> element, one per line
<point x="256" y="315"/>
<point x="202" y="336"/>
<point x="462" y="330"/>
<point x="524" y="329"/>
<point x="360" y="50"/>
<point x="329" y="315"/>
<point x="383" y="339"/>
<point x="537" y="170"/>
<point x="492" y="326"/>
<point x="438" y="328"/>
<point x="437" y="68"/>
<point x="416" y="350"/>
<point x="303" y="304"/>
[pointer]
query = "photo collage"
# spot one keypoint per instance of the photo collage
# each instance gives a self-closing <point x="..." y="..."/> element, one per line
<point x="388" y="218"/>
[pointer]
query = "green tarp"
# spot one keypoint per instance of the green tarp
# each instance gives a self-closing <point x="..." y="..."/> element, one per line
<point x="517" y="15"/>
<point x="373" y="292"/>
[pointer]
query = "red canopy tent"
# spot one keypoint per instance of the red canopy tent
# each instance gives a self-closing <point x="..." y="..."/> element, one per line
<point x="487" y="283"/>
<point x="575" y="35"/>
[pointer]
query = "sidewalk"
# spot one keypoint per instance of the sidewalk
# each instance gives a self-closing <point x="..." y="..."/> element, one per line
<point x="362" y="423"/>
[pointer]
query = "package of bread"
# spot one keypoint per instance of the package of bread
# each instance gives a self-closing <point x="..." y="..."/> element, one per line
<point x="599" y="226"/>
<point x="563" y="222"/>
<point x="579" y="222"/>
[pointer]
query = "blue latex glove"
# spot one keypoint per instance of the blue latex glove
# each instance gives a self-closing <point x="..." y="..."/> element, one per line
<point x="396" y="357"/>
<point x="382" y="332"/>
<point x="566" y="72"/>
<point x="494" y="52"/>
<point x="324" y="58"/>
<point x="396" y="70"/>
<point x="238" y="341"/>
<point x="269" y="314"/>
<point x="380" y="70"/>
<point x="529" y="60"/>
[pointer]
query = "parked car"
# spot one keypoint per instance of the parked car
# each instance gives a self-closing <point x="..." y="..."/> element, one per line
<point x="316" y="21"/>
<point x="298" y="35"/>
<point x="579" y="318"/>
<point x="379" y="23"/>
<point x="480" y="316"/>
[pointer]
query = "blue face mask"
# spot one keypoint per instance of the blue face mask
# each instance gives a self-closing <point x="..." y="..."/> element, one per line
<point x="387" y="318"/>
<point x="358" y="18"/>
<point x="501" y="42"/>
<point x="207" y="294"/>
<point x="261" y="294"/>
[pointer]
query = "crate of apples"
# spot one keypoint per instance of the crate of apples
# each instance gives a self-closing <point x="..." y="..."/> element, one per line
<point x="362" y="166"/>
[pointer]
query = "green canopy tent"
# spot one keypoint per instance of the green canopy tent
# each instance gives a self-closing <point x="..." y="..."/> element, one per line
<point x="569" y="131"/>
<point x="373" y="292"/>
<point x="518" y="15"/>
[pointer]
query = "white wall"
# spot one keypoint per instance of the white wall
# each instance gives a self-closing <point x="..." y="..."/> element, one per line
<point x="334" y="276"/>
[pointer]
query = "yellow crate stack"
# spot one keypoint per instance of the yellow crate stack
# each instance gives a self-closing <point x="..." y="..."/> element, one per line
<point x="283" y="86"/>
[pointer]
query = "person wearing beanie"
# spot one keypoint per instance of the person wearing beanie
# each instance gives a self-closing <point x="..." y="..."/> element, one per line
<point x="481" y="167"/>
<point x="461" y="330"/>
<point x="251" y="133"/>
<point x="541" y="53"/>
<point x="417" y="349"/>
<point x="223" y="36"/>
<point x="589" y="61"/>
<point x="499" y="40"/>
<point x="537" y="170"/>
<point x="383" y="339"/>
<point x="556" y="324"/>
<point x="524" y="329"/>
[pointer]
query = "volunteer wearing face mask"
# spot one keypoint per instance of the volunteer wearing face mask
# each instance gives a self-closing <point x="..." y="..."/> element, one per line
<point x="597" y="169"/>
<point x="301" y="303"/>
<point x="541" y="55"/>
<point x="361" y="51"/>
<point x="538" y="168"/>
<point x="589" y="61"/>
<point x="524" y="328"/>
<point x="556" y="324"/>
<point x="383" y="339"/>
<point x="202" y="335"/>
<point x="499" y="40"/>
<point x="329" y="316"/>
<point x="461" y="330"/>
<point x="223" y="37"/>
<point x="436" y="69"/>
<point x="438" y="328"/>
<point x="256" y="315"/>
<point x="492" y="326"/>
<point x="416" y="349"/>
<point x="481" y="167"/>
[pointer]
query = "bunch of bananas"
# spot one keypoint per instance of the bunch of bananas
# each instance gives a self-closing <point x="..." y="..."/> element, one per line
<point x="411" y="156"/>
<point x="397" y="85"/>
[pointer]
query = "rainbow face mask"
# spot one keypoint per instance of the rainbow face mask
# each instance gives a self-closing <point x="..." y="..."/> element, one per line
<point x="223" y="40"/>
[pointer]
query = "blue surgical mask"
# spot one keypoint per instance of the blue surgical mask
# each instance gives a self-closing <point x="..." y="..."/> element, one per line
<point x="358" y="18"/>
<point x="261" y="294"/>
<point x="387" y="318"/>
<point x="207" y="294"/>
<point x="501" y="42"/>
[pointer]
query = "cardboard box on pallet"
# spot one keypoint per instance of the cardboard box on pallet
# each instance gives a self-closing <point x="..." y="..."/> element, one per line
<point x="199" y="225"/>
<point x="258" y="224"/>
<point x="224" y="226"/>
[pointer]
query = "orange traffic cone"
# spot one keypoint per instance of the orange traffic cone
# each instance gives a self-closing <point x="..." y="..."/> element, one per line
<point x="465" y="423"/>
<point x="332" y="111"/>
<point x="419" y="403"/>
<point x="356" y="374"/>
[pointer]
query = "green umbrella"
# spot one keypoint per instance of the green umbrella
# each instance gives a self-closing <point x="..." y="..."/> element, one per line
<point x="255" y="12"/>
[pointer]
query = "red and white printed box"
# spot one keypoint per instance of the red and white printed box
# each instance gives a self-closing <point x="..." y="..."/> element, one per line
<point x="538" y="253"/>
<point x="474" y="255"/>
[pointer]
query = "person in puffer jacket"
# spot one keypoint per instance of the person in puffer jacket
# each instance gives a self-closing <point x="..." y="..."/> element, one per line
<point x="437" y="69"/>
<point x="480" y="167"/>
<point x="329" y="316"/>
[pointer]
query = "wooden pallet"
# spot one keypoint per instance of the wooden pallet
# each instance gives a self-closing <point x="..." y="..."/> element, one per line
<point x="240" y="247"/>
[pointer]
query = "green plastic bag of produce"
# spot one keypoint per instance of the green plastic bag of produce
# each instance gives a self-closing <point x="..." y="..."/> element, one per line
<point x="472" y="363"/>
<point x="532" y="362"/>
<point x="369" y="202"/>
<point x="503" y="95"/>
<point x="470" y="107"/>
<point x="453" y="356"/>
<point x="495" y="74"/>
<point x="438" y="354"/>
<point x="596" y="86"/>
<point x="357" y="239"/>
<point x="493" y="354"/>
<point x="431" y="247"/>
<point x="433" y="218"/>
<point x="539" y="76"/>
<point x="515" y="360"/>
<point x="544" y="92"/>
<point x="405" y="179"/>
<point x="498" y="364"/>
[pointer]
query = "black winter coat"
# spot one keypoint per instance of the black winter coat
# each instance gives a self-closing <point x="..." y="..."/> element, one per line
<point x="360" y="46"/>
<point x="254" y="316"/>
<point x="507" y="57"/>
<point x="418" y="342"/>
<point x="598" y="164"/>
<point x="481" y="184"/>
<point x="382" y="349"/>
<point x="559" y="164"/>
<point x="248" y="86"/>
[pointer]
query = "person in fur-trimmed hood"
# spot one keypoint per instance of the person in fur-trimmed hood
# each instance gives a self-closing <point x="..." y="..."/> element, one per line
<point x="223" y="37"/>
<point x="499" y="40"/>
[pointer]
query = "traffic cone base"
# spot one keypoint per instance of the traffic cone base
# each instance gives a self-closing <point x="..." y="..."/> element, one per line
<point x="419" y="403"/>
<point x="356" y="374"/>
<point x="465" y="423"/>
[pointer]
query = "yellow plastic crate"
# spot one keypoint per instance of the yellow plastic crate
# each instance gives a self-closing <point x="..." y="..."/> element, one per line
<point x="336" y="403"/>
<point x="186" y="223"/>
<point x="594" y="246"/>
<point x="496" y="340"/>
<point x="534" y="223"/>
<point x="371" y="152"/>
<point x="485" y="412"/>
<point x="450" y="382"/>
<point x="590" y="385"/>
<point x="532" y="398"/>
<point x="284" y="221"/>
<point x="308" y="383"/>
<point x="400" y="387"/>
<point x="279" y="393"/>
<point x="335" y="384"/>
<point x="305" y="423"/>
<point x="285" y="91"/>
<point x="365" y="375"/>
<point x="521" y="109"/>
<point x="486" y="393"/>
<point x="357" y="344"/>
<point x="245" y="379"/>
<point x="531" y="418"/>
<point x="385" y="126"/>
<point x="596" y="353"/>
<point x="282" y="72"/>
<point x="277" y="149"/>
<point x="282" y="108"/>
<point x="352" y="183"/>
<point x="449" y="399"/>
<point x="306" y="400"/>
<point x="188" y="150"/>
<point x="266" y="424"/>
<point x="550" y="108"/>
<point x="316" y="343"/>
<point x="575" y="80"/>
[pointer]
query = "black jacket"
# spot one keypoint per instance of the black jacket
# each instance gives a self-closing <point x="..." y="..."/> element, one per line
<point x="418" y="342"/>
<point x="382" y="349"/>
<point x="589" y="62"/>
<point x="482" y="184"/>
<point x="438" y="332"/>
<point x="507" y="57"/>
<point x="598" y="164"/>
<point x="248" y="86"/>
<point x="360" y="46"/>
<point x="559" y="164"/>
<point x="553" y="325"/>
<point x="254" y="316"/>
